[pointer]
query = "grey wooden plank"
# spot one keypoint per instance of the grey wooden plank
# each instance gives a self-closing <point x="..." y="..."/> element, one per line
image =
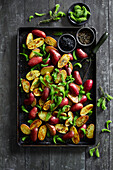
<point x="12" y="16"/>
<point x="100" y="22"/>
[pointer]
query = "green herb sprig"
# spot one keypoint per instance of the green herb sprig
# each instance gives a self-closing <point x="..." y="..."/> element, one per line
<point x="96" y="150"/>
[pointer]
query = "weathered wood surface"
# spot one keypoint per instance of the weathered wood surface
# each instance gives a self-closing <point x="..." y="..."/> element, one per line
<point x="14" y="14"/>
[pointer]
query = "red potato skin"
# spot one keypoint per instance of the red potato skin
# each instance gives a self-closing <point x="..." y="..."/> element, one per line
<point x="81" y="134"/>
<point x="71" y="56"/>
<point x="68" y="69"/>
<point x="33" y="112"/>
<point x="34" y="61"/>
<point x="80" y="53"/>
<point x="83" y="99"/>
<point x="30" y="100"/>
<point x="55" y="56"/>
<point x="74" y="89"/>
<point x="48" y="61"/>
<point x="64" y="102"/>
<point x="53" y="120"/>
<point x="88" y="85"/>
<point x="51" y="129"/>
<point x="68" y="135"/>
<point x="39" y="33"/>
<point x="45" y="94"/>
<point x="76" y="107"/>
<point x="77" y="77"/>
<point x="33" y="134"/>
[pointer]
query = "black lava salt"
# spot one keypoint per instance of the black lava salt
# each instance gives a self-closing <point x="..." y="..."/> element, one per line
<point x="67" y="43"/>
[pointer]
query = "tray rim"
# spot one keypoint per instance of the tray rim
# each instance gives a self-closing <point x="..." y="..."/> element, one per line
<point x="17" y="91"/>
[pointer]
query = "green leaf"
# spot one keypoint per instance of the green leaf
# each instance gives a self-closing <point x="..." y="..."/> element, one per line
<point x="106" y="130"/>
<point x="38" y="54"/>
<point x="74" y="55"/>
<point x="60" y="140"/>
<point x="57" y="6"/>
<point x="44" y="65"/>
<point x="59" y="100"/>
<point x="48" y="116"/>
<point x="39" y="107"/>
<point x="109" y="97"/>
<point x="52" y="106"/>
<point x="30" y="121"/>
<point x="50" y="13"/>
<point x="91" y="151"/>
<point x="83" y="130"/>
<point x="81" y="92"/>
<point x="63" y="117"/>
<point x="59" y="113"/>
<point x="78" y="64"/>
<point x="36" y="66"/>
<point x="54" y="138"/>
<point x="80" y="97"/>
<point x="56" y="18"/>
<point x="31" y="17"/>
<point x="24" y="46"/>
<point x="42" y="80"/>
<point x="24" y="138"/>
<point x="64" y="108"/>
<point x="45" y="60"/>
<point x="99" y="101"/>
<point x="26" y="56"/>
<point x="40" y="15"/>
<point x="47" y="79"/>
<point x="97" y="153"/>
<point x="104" y="104"/>
<point x="90" y="113"/>
<point x="60" y="13"/>
<point x="88" y="95"/>
<point x="107" y="123"/>
<point x="74" y="120"/>
<point x="81" y="87"/>
<point x="58" y="33"/>
<point x="24" y="109"/>
<point x="48" y="133"/>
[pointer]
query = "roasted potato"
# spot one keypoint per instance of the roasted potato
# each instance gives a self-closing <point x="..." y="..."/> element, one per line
<point x="29" y="100"/>
<point x="29" y="38"/>
<point x="35" y="43"/>
<point x="35" y="84"/>
<point x="55" y="56"/>
<point x="54" y="120"/>
<point x="47" y="69"/>
<point x="32" y="75"/>
<point x="86" y="109"/>
<point x="82" y="120"/>
<point x="33" y="134"/>
<point x="52" y="129"/>
<point x="34" y="103"/>
<point x="42" y="132"/>
<point x="64" y="102"/>
<point x="61" y="128"/>
<point x="39" y="33"/>
<point x="90" y="131"/>
<point x="25" y="129"/>
<point x="59" y="76"/>
<point x="33" y="112"/>
<point x="76" y="138"/>
<point x="63" y="60"/>
<point x="41" y="102"/>
<point x="50" y="47"/>
<point x="51" y="41"/>
<point x="25" y="85"/>
<point x="37" y="92"/>
<point x="68" y="135"/>
<point x="36" y="123"/>
<point x="32" y="54"/>
<point x="42" y="115"/>
<point x="73" y="98"/>
<point x="67" y="122"/>
<point x="47" y="105"/>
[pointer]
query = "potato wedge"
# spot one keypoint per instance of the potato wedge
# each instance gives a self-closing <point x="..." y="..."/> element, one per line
<point x="86" y="109"/>
<point x="51" y="41"/>
<point x="47" y="105"/>
<point x="61" y="128"/>
<point x="42" y="115"/>
<point x="25" y="85"/>
<point x="63" y="60"/>
<point x="73" y="98"/>
<point x="67" y="122"/>
<point x="90" y="131"/>
<point x="25" y="129"/>
<point x="82" y="120"/>
<point x="35" y="43"/>
<point x="47" y="69"/>
<point x="32" y="53"/>
<point x="32" y="75"/>
<point x="35" y="84"/>
<point x="50" y="47"/>
<point x="42" y="132"/>
<point x="59" y="76"/>
<point x="34" y="103"/>
<point x="37" y="92"/>
<point x="49" y="77"/>
<point x="29" y="38"/>
<point x="76" y="138"/>
<point x="61" y="88"/>
<point x="41" y="102"/>
<point x="56" y="112"/>
<point x="78" y="87"/>
<point x="36" y="123"/>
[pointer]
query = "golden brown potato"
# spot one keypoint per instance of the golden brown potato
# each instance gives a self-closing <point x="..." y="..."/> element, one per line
<point x="36" y="123"/>
<point x="41" y="102"/>
<point x="73" y="98"/>
<point x="32" y="54"/>
<point x="47" y="105"/>
<point x="76" y="138"/>
<point x="47" y="69"/>
<point x="59" y="76"/>
<point x="82" y="120"/>
<point x="51" y="41"/>
<point x="90" y="131"/>
<point x="35" y="43"/>
<point x="49" y="48"/>
<point x="63" y="60"/>
<point x="25" y="129"/>
<point x="42" y="115"/>
<point x="67" y="122"/>
<point x="25" y="85"/>
<point x="32" y="75"/>
<point x="35" y="84"/>
<point x="34" y="103"/>
<point x="86" y="109"/>
<point x="29" y="38"/>
<point x="42" y="132"/>
<point x="37" y="92"/>
<point x="61" y="128"/>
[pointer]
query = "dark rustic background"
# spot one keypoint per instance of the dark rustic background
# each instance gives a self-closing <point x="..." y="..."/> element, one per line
<point x="14" y="14"/>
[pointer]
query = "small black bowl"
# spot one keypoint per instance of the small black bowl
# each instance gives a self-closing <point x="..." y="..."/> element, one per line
<point x="66" y="43"/>
<point x="72" y="9"/>
<point x="87" y="34"/>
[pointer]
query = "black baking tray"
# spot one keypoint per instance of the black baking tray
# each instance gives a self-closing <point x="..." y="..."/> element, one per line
<point x="23" y="69"/>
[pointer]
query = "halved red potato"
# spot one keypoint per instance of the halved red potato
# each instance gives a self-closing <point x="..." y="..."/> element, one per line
<point x="90" y="131"/>
<point x="59" y="76"/>
<point x="41" y="102"/>
<point x="29" y="38"/>
<point x="33" y="113"/>
<point x="45" y="93"/>
<point x="86" y="109"/>
<point x="63" y="60"/>
<point x="64" y="102"/>
<point x="52" y="129"/>
<point x="37" y="92"/>
<point x="32" y="54"/>
<point x="47" y="69"/>
<point x="50" y="47"/>
<point x="35" y="84"/>
<point x="35" y="43"/>
<point x="33" y="134"/>
<point x="42" y="132"/>
<point x="32" y="75"/>
<point x="25" y="129"/>
<point x="25" y="85"/>
<point x="39" y="33"/>
<point x="34" y="102"/>
<point x="73" y="98"/>
<point x="51" y="41"/>
<point x="29" y="100"/>
<point x="47" y="105"/>
<point x="36" y="123"/>
<point x="68" y="135"/>
<point x="54" y="120"/>
<point x="42" y="115"/>
<point x="67" y="122"/>
<point x="82" y="120"/>
<point x="61" y="128"/>
<point x="76" y="138"/>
